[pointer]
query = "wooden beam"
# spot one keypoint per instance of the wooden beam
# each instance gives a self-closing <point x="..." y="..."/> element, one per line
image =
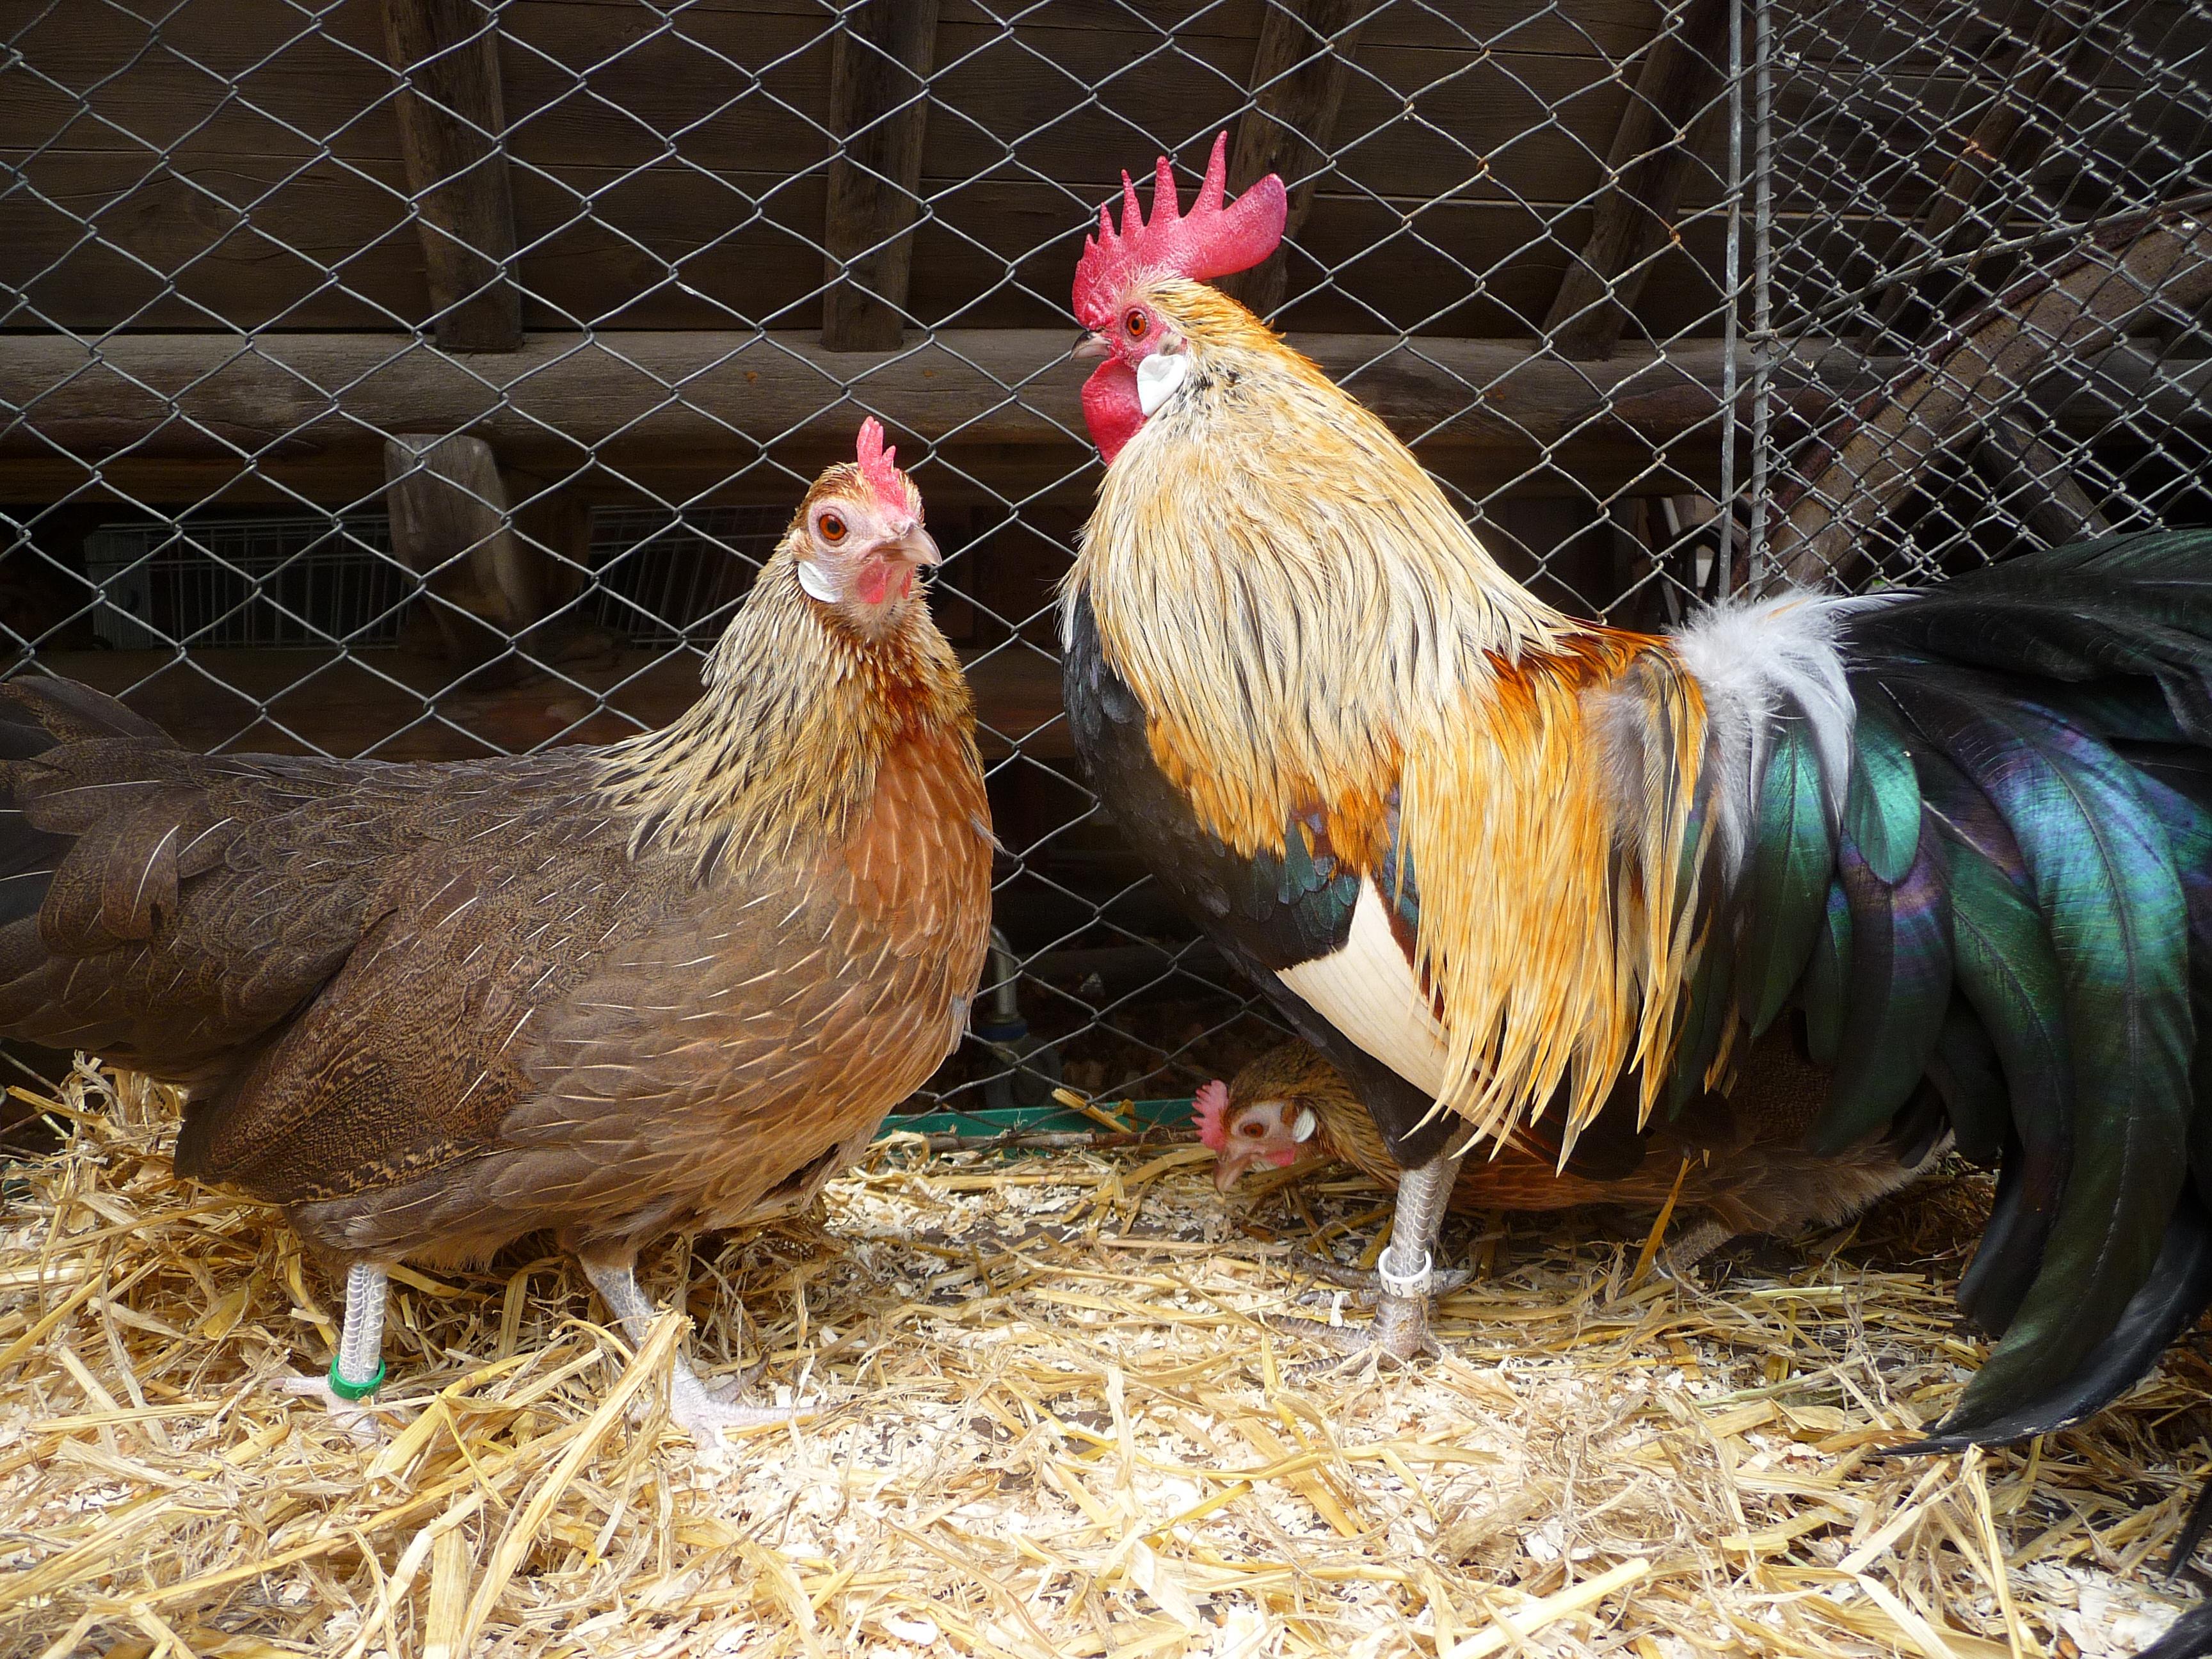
<point x="879" y="108"/>
<point x="2148" y="267"/>
<point x="1651" y="160"/>
<point x="2031" y="482"/>
<point x="295" y="396"/>
<point x="1950" y="226"/>
<point x="1299" y="69"/>
<point x="451" y="139"/>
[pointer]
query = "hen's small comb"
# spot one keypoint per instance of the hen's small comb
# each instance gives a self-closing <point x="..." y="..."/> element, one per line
<point x="1211" y="1109"/>
<point x="1210" y="240"/>
<point x="879" y="465"/>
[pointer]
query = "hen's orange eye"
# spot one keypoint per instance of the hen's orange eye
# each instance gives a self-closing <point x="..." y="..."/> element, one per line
<point x="1254" y="1129"/>
<point x="1137" y="322"/>
<point x="831" y="527"/>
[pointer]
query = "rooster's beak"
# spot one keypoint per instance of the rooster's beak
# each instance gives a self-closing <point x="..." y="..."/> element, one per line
<point x="1091" y="345"/>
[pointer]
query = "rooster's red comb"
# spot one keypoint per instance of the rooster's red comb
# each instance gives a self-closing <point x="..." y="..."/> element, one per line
<point x="878" y="467"/>
<point x="1211" y="1109"/>
<point x="1210" y="240"/>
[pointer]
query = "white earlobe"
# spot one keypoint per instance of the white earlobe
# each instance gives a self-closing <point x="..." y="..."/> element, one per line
<point x="816" y="580"/>
<point x="1302" y="1130"/>
<point x="1157" y="378"/>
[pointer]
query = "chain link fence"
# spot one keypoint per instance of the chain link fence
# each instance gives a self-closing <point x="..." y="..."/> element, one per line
<point x="419" y="379"/>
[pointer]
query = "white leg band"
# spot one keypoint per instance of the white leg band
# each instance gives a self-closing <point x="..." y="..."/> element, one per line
<point x="1415" y="1284"/>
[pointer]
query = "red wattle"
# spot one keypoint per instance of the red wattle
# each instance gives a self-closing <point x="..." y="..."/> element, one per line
<point x="1110" y="408"/>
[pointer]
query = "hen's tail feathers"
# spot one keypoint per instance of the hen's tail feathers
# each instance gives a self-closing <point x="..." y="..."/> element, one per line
<point x="38" y="713"/>
<point x="2017" y="904"/>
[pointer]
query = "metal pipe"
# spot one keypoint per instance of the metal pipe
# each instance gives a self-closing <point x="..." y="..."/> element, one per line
<point x="1005" y="1023"/>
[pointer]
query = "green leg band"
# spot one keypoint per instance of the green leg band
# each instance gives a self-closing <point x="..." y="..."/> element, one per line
<point x="346" y="1390"/>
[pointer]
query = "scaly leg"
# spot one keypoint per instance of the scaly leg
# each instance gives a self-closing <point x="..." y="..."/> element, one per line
<point x="1405" y="1273"/>
<point x="696" y="1409"/>
<point x="357" y="1370"/>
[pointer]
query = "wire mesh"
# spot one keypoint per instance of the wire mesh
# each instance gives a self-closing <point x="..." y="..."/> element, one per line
<point x="339" y="326"/>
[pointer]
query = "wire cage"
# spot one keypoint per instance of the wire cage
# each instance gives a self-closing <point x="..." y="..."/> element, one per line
<point x="336" y="327"/>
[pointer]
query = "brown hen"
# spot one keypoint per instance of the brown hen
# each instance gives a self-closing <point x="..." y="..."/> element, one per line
<point x="1740" y="1157"/>
<point x="609" y="993"/>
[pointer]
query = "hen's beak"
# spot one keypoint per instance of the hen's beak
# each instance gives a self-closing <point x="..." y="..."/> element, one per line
<point x="1091" y="345"/>
<point x="1229" y="1169"/>
<point x="917" y="546"/>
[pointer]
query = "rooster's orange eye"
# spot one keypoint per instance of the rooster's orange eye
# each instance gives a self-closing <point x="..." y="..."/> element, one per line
<point x="1137" y="322"/>
<point x="831" y="527"/>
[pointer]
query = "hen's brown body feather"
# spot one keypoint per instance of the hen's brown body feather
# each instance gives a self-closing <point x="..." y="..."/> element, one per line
<point x="428" y="1009"/>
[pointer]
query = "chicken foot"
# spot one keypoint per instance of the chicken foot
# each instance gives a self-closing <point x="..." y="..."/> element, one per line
<point x="1406" y="1275"/>
<point x="356" y="1370"/>
<point x="694" y="1407"/>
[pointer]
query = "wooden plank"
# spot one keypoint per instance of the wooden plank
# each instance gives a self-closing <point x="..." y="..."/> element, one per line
<point x="1299" y="69"/>
<point x="1651" y="159"/>
<point x="452" y="132"/>
<point x="578" y="91"/>
<point x="879" y="107"/>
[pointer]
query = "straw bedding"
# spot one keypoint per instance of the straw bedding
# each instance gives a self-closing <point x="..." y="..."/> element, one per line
<point x="1054" y="1421"/>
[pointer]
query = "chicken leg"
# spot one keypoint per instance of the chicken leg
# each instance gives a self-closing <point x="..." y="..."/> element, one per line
<point x="357" y="1368"/>
<point x="699" y="1410"/>
<point x="1405" y="1274"/>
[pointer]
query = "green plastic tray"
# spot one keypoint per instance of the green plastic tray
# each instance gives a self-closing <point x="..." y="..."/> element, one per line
<point x="1030" y="1120"/>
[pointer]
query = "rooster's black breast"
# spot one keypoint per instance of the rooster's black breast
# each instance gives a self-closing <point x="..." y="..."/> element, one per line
<point x="1266" y="913"/>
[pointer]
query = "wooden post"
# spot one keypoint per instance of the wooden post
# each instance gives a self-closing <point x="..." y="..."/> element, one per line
<point x="1299" y="69"/>
<point x="1646" y="169"/>
<point x="451" y="128"/>
<point x="451" y="525"/>
<point x="878" y="79"/>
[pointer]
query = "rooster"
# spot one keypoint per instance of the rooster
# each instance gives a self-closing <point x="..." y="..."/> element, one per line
<point x="1733" y="1161"/>
<point x="1504" y="867"/>
<point x="608" y="993"/>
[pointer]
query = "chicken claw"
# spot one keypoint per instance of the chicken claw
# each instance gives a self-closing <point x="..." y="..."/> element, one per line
<point x="1397" y="1335"/>
<point x="1443" y="1281"/>
<point x="359" y="1418"/>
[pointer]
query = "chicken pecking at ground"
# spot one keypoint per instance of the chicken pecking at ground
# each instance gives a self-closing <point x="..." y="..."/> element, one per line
<point x="1503" y="866"/>
<point x="1729" y="1164"/>
<point x="608" y="993"/>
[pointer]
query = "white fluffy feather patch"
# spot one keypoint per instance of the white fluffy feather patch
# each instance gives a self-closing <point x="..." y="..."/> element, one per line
<point x="1745" y="658"/>
<point x="1367" y="990"/>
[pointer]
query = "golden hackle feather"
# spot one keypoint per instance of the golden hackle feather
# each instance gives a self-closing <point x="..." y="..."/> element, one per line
<point x="1310" y="625"/>
<point x="759" y="769"/>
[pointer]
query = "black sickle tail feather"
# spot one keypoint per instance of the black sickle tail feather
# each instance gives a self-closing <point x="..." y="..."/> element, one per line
<point x="2024" y="893"/>
<point x="2178" y="1287"/>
